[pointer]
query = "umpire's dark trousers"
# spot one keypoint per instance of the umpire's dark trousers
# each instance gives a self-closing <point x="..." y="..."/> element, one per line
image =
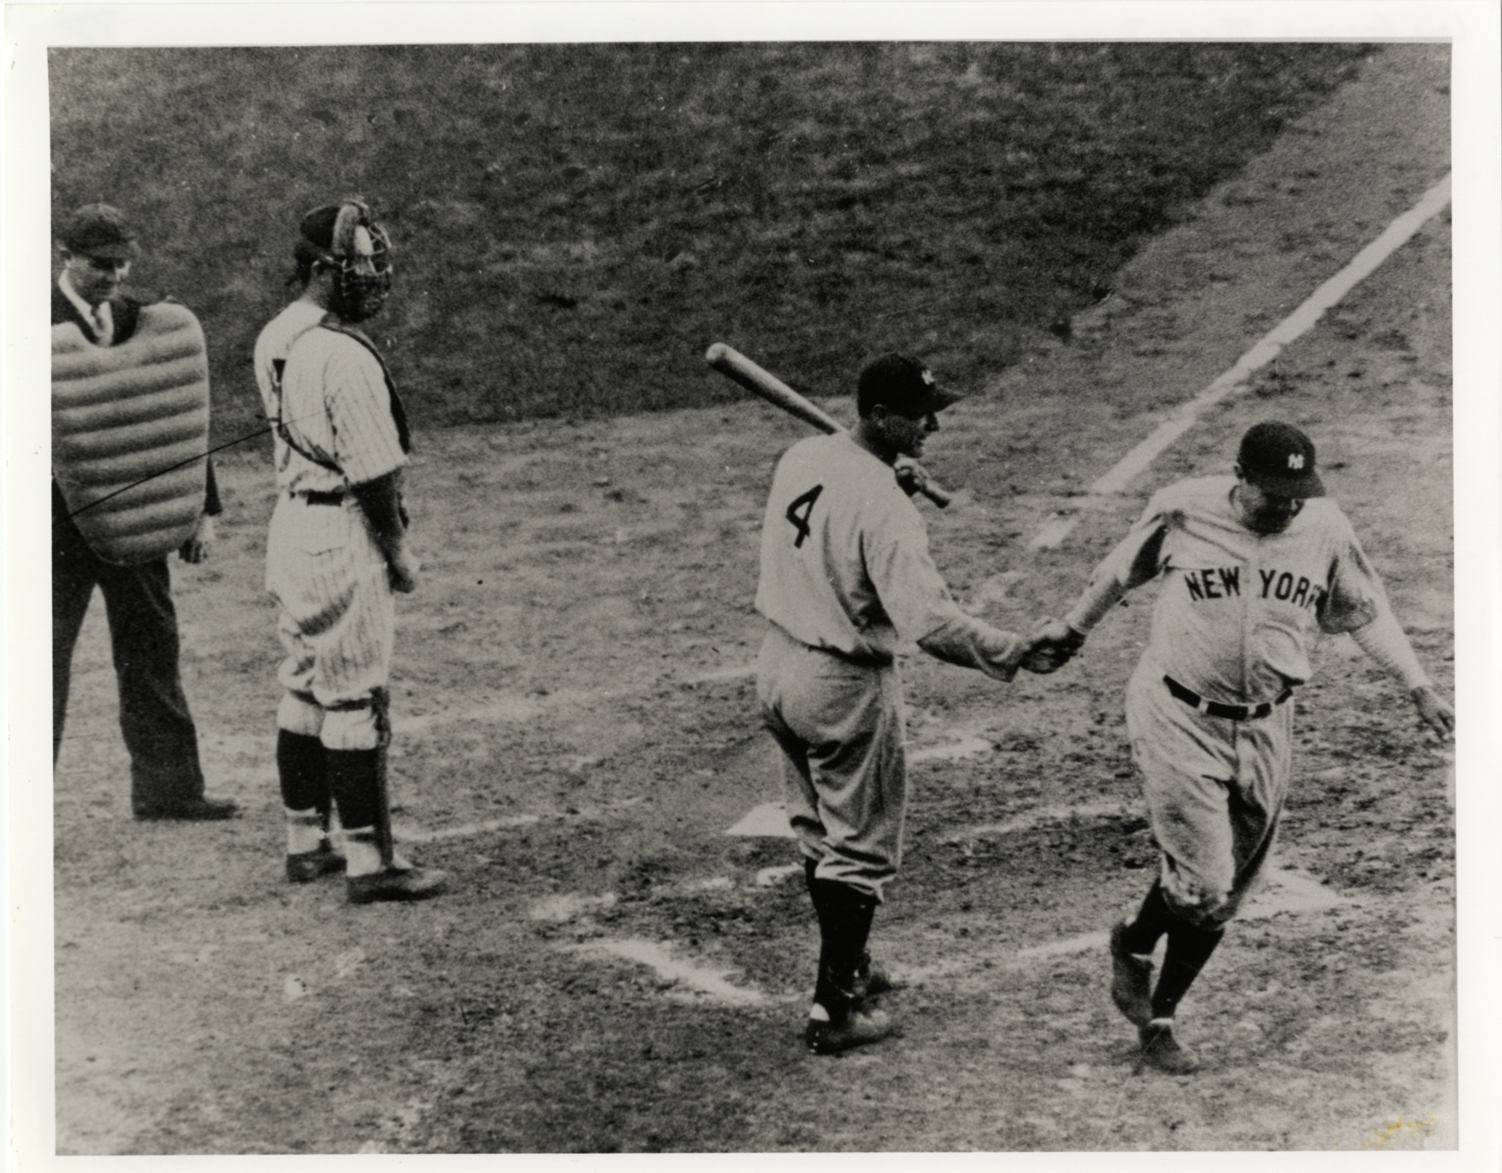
<point x="154" y="717"/>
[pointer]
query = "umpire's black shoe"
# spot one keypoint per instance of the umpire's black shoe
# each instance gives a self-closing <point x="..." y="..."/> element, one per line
<point x="1131" y="980"/>
<point x="1162" y="1050"/>
<point x="855" y="1029"/>
<point x="303" y="867"/>
<point x="396" y="883"/>
<point x="193" y="810"/>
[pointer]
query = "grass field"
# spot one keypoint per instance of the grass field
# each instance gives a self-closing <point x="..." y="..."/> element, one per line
<point x="576" y="222"/>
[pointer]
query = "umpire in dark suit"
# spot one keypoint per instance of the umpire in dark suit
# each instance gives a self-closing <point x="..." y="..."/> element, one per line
<point x="166" y="779"/>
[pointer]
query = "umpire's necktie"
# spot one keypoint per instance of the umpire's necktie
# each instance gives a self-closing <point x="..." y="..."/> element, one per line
<point x="104" y="325"/>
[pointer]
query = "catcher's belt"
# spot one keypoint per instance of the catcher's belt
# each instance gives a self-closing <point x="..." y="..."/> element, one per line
<point x="130" y="430"/>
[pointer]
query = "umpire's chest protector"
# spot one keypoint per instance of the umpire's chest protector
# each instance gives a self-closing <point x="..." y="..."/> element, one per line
<point x="130" y="429"/>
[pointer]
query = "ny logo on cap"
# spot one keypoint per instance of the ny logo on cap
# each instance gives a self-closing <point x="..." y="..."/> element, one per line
<point x="928" y="379"/>
<point x="1295" y="460"/>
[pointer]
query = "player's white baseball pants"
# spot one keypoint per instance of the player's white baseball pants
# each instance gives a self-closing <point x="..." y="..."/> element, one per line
<point x="1214" y="787"/>
<point x="839" y="726"/>
<point x="338" y="620"/>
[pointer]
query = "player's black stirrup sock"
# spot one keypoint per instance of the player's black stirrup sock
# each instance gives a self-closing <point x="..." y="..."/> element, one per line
<point x="1153" y="919"/>
<point x="353" y="782"/>
<point x="810" y="866"/>
<point x="1188" y="950"/>
<point x="301" y="767"/>
<point x="845" y="915"/>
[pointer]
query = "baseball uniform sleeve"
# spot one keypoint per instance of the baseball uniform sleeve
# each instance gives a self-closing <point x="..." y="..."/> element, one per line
<point x="1136" y="560"/>
<point x="366" y="443"/>
<point x="907" y="582"/>
<point x="970" y="643"/>
<point x="1354" y="596"/>
<point x="1384" y="641"/>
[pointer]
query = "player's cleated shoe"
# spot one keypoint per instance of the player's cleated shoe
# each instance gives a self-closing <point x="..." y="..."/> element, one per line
<point x="303" y="867"/>
<point x="856" y="1029"/>
<point x="1131" y="980"/>
<point x="872" y="978"/>
<point x="1162" y="1050"/>
<point x="396" y="883"/>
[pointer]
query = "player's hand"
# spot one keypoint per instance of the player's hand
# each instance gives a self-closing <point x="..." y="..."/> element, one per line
<point x="196" y="548"/>
<point x="403" y="565"/>
<point x="1052" y="644"/>
<point x="1434" y="712"/>
<point x="912" y="477"/>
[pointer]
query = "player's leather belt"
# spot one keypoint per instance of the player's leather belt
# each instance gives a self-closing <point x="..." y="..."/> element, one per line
<point x="321" y="497"/>
<point x="1216" y="709"/>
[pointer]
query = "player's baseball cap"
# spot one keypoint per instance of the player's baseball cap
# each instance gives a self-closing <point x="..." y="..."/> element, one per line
<point x="98" y="230"/>
<point x="902" y="384"/>
<point x="1279" y="459"/>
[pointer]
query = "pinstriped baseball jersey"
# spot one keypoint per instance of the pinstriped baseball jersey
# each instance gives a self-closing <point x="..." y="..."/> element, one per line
<point x="1238" y="613"/>
<point x="844" y="554"/>
<point x="331" y="394"/>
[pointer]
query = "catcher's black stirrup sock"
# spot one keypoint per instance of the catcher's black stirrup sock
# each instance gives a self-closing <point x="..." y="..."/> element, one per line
<point x="809" y="867"/>
<point x="1188" y="950"/>
<point x="1153" y="919"/>
<point x="845" y="916"/>
<point x="354" y="782"/>
<point x="301" y="768"/>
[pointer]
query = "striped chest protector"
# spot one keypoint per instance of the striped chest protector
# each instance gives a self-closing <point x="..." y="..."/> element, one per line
<point x="130" y="431"/>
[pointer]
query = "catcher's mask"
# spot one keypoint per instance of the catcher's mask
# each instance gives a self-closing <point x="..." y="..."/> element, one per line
<point x="344" y="238"/>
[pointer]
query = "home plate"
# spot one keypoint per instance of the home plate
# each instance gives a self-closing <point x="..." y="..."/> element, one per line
<point x="767" y="821"/>
<point x="654" y="956"/>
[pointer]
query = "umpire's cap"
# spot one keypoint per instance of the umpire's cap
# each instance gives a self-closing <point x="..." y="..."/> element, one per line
<point x="98" y="230"/>
<point x="1279" y="459"/>
<point x="902" y="384"/>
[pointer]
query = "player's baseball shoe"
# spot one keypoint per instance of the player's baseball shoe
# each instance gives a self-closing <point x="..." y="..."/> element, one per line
<point x="872" y="978"/>
<point x="303" y="867"/>
<point x="193" y="810"/>
<point x="1162" y="1050"/>
<point x="1131" y="980"/>
<point x="396" y="883"/>
<point x="856" y="1029"/>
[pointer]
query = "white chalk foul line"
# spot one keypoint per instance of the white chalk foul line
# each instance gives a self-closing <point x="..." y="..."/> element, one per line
<point x="1182" y="418"/>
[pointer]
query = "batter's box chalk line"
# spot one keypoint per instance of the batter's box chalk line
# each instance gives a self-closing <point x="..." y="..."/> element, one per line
<point x="701" y="981"/>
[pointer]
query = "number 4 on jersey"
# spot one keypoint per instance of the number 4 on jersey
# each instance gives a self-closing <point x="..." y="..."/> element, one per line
<point x="799" y="510"/>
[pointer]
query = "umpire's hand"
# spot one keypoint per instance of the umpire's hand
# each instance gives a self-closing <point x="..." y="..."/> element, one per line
<point x="196" y="548"/>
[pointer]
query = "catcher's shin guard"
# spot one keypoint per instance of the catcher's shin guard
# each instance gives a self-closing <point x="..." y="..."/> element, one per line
<point x="381" y="704"/>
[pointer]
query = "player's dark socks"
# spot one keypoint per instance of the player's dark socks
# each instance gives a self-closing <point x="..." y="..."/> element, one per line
<point x="1153" y="919"/>
<point x="355" y="785"/>
<point x="301" y="768"/>
<point x="810" y="866"/>
<point x="1188" y="950"/>
<point x="845" y="916"/>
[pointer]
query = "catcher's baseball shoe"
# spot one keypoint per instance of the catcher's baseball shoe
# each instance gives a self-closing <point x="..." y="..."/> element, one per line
<point x="396" y="883"/>
<point x="303" y="867"/>
<point x="1131" y="980"/>
<point x="1162" y="1050"/>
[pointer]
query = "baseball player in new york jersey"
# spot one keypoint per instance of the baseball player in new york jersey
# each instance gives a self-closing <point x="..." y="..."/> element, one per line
<point x="1254" y="568"/>
<point x="846" y="578"/>
<point x="336" y="552"/>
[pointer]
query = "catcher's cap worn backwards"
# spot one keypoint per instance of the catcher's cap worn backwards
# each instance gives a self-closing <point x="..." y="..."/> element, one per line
<point x="1278" y="458"/>
<point x="98" y="230"/>
<point x="903" y="385"/>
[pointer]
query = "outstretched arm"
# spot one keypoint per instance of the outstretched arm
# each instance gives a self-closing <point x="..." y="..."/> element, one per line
<point x="971" y="643"/>
<point x="1383" y="640"/>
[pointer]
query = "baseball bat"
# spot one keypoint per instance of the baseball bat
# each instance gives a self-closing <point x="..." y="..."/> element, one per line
<point x="736" y="366"/>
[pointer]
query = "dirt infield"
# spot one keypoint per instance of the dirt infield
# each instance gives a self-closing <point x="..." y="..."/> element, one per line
<point x="613" y="972"/>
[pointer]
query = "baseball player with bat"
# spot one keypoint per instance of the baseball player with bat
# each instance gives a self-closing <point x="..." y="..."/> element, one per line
<point x="336" y="552"/>
<point x="846" y="579"/>
<point x="1253" y="569"/>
